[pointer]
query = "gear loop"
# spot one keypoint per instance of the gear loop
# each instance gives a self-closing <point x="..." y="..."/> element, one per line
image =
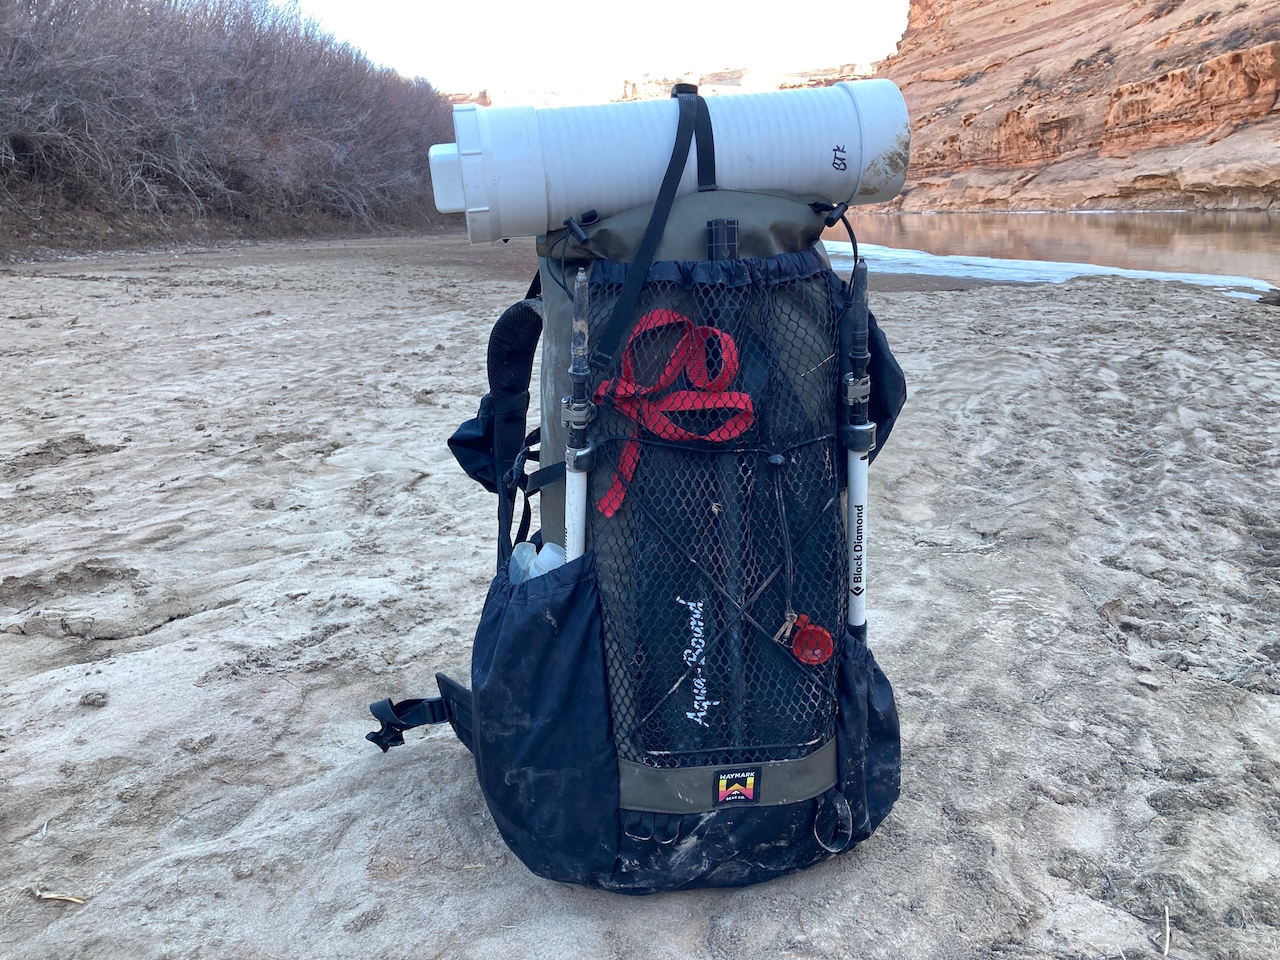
<point x="842" y="831"/>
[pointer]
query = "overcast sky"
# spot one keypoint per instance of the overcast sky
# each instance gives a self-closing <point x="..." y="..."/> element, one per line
<point x="525" y="52"/>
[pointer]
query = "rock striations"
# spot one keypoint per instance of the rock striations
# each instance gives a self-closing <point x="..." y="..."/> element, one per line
<point x="1094" y="104"/>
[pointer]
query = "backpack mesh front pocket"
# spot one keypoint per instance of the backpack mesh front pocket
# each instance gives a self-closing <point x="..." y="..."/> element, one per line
<point x="715" y="512"/>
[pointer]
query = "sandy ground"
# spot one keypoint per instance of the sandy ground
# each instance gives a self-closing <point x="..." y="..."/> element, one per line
<point x="229" y="520"/>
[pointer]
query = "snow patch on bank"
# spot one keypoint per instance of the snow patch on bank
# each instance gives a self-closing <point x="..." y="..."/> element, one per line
<point x="893" y="260"/>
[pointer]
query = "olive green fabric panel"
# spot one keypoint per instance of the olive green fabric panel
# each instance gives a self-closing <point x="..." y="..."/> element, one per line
<point x="768" y="224"/>
<point x="553" y="384"/>
<point x="693" y="789"/>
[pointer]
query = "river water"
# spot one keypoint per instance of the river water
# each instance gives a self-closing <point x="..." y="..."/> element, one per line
<point x="1242" y="247"/>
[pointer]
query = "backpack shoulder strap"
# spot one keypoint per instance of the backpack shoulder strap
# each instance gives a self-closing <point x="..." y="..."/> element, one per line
<point x="512" y="344"/>
<point x="490" y="446"/>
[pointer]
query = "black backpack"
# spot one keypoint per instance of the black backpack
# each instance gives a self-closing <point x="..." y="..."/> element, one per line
<point x="684" y="705"/>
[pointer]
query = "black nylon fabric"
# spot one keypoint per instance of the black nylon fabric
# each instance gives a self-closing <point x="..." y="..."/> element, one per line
<point x="888" y="385"/>
<point x="751" y="845"/>
<point x="883" y="763"/>
<point x="744" y="528"/>
<point x="867" y="736"/>
<point x="543" y="741"/>
<point x="722" y="849"/>
<point x="547" y="765"/>
<point x="459" y="699"/>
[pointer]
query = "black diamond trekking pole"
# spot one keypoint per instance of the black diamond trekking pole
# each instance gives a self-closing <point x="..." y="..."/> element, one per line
<point x="576" y="412"/>
<point x="858" y="435"/>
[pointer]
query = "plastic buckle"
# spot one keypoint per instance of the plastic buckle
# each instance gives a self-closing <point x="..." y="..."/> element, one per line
<point x="578" y="233"/>
<point x="437" y="710"/>
<point x="396" y="718"/>
<point x="386" y="738"/>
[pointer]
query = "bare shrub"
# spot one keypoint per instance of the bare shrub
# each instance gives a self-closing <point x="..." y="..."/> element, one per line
<point x="182" y="110"/>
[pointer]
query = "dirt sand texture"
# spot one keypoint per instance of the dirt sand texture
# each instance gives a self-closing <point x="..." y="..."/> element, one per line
<point x="230" y="521"/>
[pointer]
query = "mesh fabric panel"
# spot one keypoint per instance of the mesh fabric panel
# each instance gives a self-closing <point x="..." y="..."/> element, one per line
<point x="715" y="514"/>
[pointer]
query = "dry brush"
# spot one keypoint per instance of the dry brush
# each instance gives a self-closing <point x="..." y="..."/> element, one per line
<point x="159" y="115"/>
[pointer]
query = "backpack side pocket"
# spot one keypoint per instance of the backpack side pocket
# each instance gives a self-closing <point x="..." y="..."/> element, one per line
<point x="867" y="737"/>
<point x="544" y="747"/>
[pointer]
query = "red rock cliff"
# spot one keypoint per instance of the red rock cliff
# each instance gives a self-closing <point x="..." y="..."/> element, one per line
<point x="1036" y="104"/>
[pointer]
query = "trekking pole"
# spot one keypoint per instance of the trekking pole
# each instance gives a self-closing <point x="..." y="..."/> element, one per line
<point x="859" y="437"/>
<point x="576" y="412"/>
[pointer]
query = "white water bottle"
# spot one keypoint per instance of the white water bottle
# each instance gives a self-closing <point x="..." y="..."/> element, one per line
<point x="549" y="557"/>
<point x="527" y="561"/>
<point x="522" y="558"/>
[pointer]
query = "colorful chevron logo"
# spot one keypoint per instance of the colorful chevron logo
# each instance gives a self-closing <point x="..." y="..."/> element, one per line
<point x="739" y="785"/>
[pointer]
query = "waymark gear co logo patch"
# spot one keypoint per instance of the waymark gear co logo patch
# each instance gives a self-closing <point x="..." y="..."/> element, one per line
<point x="739" y="785"/>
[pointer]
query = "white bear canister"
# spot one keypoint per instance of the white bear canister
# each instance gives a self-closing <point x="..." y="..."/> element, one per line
<point x="521" y="171"/>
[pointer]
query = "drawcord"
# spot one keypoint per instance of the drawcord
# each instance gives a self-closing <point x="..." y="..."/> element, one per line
<point x="551" y="252"/>
<point x="777" y="461"/>
<point x="854" y="242"/>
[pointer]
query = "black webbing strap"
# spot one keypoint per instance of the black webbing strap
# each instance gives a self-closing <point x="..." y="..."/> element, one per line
<point x="526" y="518"/>
<point x="507" y="509"/>
<point x="453" y="706"/>
<point x="619" y="325"/>
<point x="396" y="718"/>
<point x="509" y="364"/>
<point x="705" y="138"/>
<point x="544" y="477"/>
<point x="516" y="479"/>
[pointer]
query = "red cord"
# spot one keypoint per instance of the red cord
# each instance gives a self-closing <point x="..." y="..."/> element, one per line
<point x="642" y="405"/>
